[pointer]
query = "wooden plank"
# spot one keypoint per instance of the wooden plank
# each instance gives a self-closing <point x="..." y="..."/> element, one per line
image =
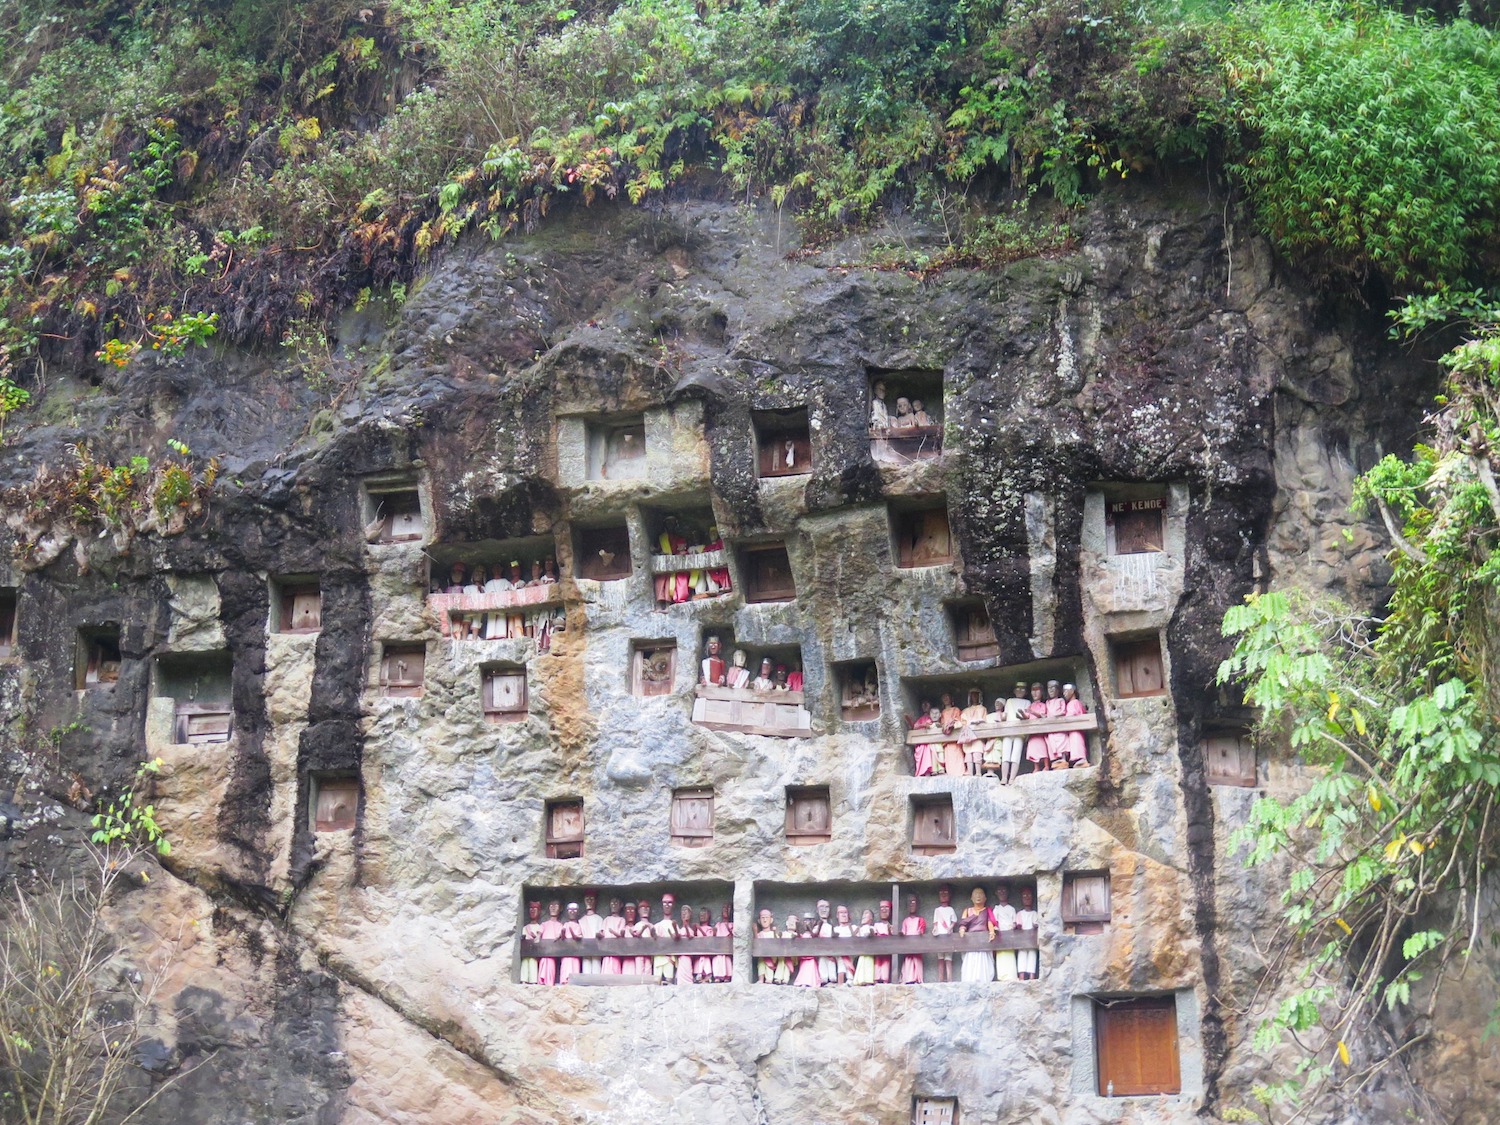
<point x="628" y="947"/>
<point x="676" y="564"/>
<point x="881" y="946"/>
<point x="605" y="980"/>
<point x="1026" y="729"/>
<point x="746" y="695"/>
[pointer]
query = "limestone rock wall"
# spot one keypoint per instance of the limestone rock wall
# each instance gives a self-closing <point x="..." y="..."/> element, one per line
<point x="371" y="975"/>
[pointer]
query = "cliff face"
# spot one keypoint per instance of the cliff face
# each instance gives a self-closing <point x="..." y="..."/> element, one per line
<point x="373" y="974"/>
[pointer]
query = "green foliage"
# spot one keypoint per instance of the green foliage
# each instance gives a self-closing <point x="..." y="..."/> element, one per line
<point x="1368" y="137"/>
<point x="127" y="822"/>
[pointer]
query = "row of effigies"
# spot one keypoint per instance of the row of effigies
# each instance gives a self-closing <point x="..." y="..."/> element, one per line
<point x="973" y="741"/>
<point x="626" y="943"/>
<point x="728" y="697"/>
<point x="827" y="961"/>
<point x="688" y="566"/>
<point x="477" y="606"/>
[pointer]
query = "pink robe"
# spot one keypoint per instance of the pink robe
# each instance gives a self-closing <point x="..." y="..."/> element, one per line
<point x="794" y="681"/>
<point x="913" y="925"/>
<point x="614" y="929"/>
<point x="719" y="575"/>
<point x="926" y="759"/>
<point x="1078" y="747"/>
<point x="704" y="966"/>
<point x="685" y="962"/>
<point x="952" y="753"/>
<point x="882" y="964"/>
<point x="1057" y="741"/>
<point x="1036" y="745"/>
<point x="807" y="971"/>
<point x="641" y="964"/>
<point x="723" y="965"/>
<point x="570" y="965"/>
<point x="546" y="967"/>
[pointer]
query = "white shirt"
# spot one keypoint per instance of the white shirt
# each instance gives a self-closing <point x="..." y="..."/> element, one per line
<point x="944" y="918"/>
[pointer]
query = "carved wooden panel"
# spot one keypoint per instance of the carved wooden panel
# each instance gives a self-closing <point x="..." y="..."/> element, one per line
<point x="974" y="633"/>
<point x="933" y="828"/>
<point x="1138" y="668"/>
<point x="1085" y="897"/>
<point x="1229" y="759"/>
<point x="336" y="803"/>
<point x="1137" y="1047"/>
<point x="1136" y="525"/>
<point x="564" y="829"/>
<point x="654" y="669"/>
<point x="505" y="695"/>
<point x="402" y="670"/>
<point x="693" y="817"/>
<point x="196" y="724"/>
<point x="784" y="454"/>
<point x="809" y="816"/>
<point x="301" y="609"/>
<point x="922" y="538"/>
<point x="401" y="515"/>
<point x="934" y="1111"/>
<point x="768" y="575"/>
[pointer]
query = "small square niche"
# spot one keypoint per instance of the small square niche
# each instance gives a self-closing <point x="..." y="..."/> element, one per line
<point x="1085" y="902"/>
<point x="200" y="685"/>
<point x="921" y="536"/>
<point x="617" y="448"/>
<point x="973" y="631"/>
<point x="934" y="830"/>
<point x="1135" y="526"/>
<point x="403" y="670"/>
<point x="1229" y="759"/>
<point x="296" y="604"/>
<point x="8" y="616"/>
<point x="692" y="822"/>
<point x="393" y="510"/>
<point x="98" y="657"/>
<point x="564" y="831"/>
<point x="333" y="801"/>
<point x="1138" y="665"/>
<point x="859" y="691"/>
<point x="767" y="572"/>
<point x="809" y="815"/>
<point x="783" y="443"/>
<point x="603" y="553"/>
<point x="653" y="667"/>
<point x="503" y="693"/>
<point x="934" y="1111"/>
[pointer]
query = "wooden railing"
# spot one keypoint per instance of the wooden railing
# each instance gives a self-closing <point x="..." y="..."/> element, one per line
<point x="1021" y="729"/>
<point x="629" y="947"/>
<point x="779" y="714"/>
<point x="896" y="944"/>
<point x="448" y="606"/>
<point x="675" y="564"/>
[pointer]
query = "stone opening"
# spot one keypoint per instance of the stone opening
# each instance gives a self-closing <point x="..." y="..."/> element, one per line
<point x="783" y="442"/>
<point x="392" y="509"/>
<point x="653" y="668"/>
<point x="616" y="448"/>
<point x="687" y="555"/>
<point x="692" y="817"/>
<point x="603" y="553"/>
<point x="1229" y="758"/>
<point x="296" y="604"/>
<point x="563" y="829"/>
<point x="503" y="695"/>
<point x="1136" y="1046"/>
<point x="333" y="801"/>
<point x="767" y="573"/>
<point x="498" y="590"/>
<point x="906" y="415"/>
<point x="201" y="686"/>
<point x="950" y="731"/>
<point x="934" y="1111"/>
<point x="934" y="829"/>
<point x="9" y="615"/>
<point x="753" y="689"/>
<point x="1135" y="524"/>
<point x="905" y="948"/>
<point x="403" y="670"/>
<point x="809" y="815"/>
<point x="859" y="690"/>
<point x="919" y="533"/>
<point x="1085" y="902"/>
<point x="632" y="933"/>
<point x="98" y="658"/>
<point x="1138" y="667"/>
<point x="973" y="631"/>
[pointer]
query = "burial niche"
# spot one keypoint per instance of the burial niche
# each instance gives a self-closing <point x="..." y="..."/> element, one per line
<point x="392" y="509"/>
<point x="693" y="817"/>
<point x="1138" y="665"/>
<point x="851" y="934"/>
<point x="934" y="830"/>
<point x="200" y="685"/>
<point x="564" y="828"/>
<point x="1229" y="759"/>
<point x="767" y="573"/>
<point x="809" y="815"/>
<point x="333" y="800"/>
<point x="1085" y="902"/>
<point x="8" y="617"/>
<point x="687" y="555"/>
<point x="503" y="693"/>
<point x="641" y="933"/>
<point x="859" y="691"/>
<point x="617" y="448"/>
<point x="498" y="590"/>
<point x="783" y="442"/>
<point x="751" y="689"/>
<point x="973" y="632"/>
<point x="402" y="670"/>
<point x="1000" y="724"/>
<point x="98" y="660"/>
<point x="1136" y="1046"/>
<point x="1135" y="527"/>
<point x="920" y="534"/>
<point x="934" y="1111"/>
<point x="603" y="553"/>
<point x="296" y="604"/>
<point x="653" y="667"/>
<point x="906" y="421"/>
